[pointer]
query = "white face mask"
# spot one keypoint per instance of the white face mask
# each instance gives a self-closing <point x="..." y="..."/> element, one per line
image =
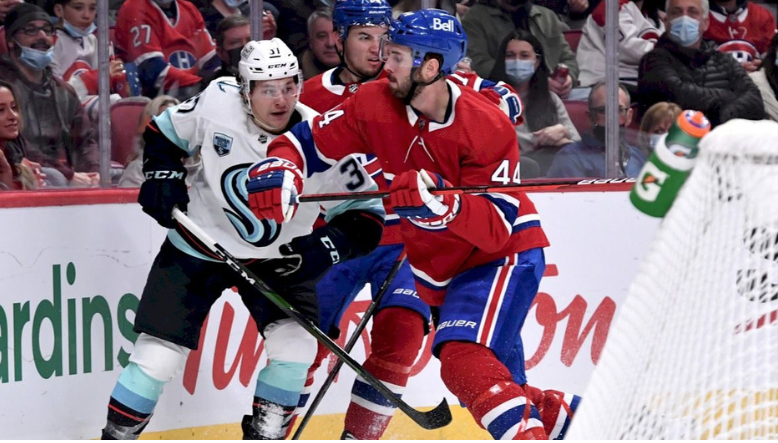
<point x="653" y="139"/>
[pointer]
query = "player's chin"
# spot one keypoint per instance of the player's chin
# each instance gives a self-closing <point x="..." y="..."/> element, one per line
<point x="397" y="90"/>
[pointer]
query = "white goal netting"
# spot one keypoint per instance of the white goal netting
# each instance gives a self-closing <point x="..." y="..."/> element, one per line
<point x="694" y="351"/>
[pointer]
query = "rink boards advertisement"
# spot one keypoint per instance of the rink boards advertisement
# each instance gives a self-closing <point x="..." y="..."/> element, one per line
<point x="72" y="277"/>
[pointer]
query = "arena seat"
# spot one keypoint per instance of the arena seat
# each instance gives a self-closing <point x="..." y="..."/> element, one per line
<point x="573" y="36"/>
<point x="125" y="115"/>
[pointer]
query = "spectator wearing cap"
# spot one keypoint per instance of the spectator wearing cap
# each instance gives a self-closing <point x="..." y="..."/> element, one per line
<point x="55" y="124"/>
<point x="689" y="71"/>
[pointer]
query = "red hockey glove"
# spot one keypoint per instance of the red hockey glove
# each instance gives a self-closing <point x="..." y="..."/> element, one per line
<point x="598" y="15"/>
<point x="272" y="185"/>
<point x="411" y="198"/>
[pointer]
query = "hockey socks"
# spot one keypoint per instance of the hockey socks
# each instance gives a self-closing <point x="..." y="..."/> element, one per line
<point x="132" y="402"/>
<point x="397" y="336"/>
<point x="556" y="410"/>
<point x="480" y="381"/>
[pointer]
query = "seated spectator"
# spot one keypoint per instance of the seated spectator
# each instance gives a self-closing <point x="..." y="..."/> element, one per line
<point x="766" y="79"/>
<point x="547" y="127"/>
<point x="687" y="70"/>
<point x="56" y="128"/>
<point x="637" y="36"/>
<point x="487" y="25"/>
<point x="322" y="54"/>
<point x="132" y="177"/>
<point x="293" y="21"/>
<point x="586" y="158"/>
<point x="231" y="36"/>
<point x="75" y="54"/>
<point x="656" y="122"/>
<point x="16" y="171"/>
<point x="742" y="29"/>
<point x="218" y="10"/>
<point x="449" y="6"/>
<point x="571" y="12"/>
<point x="171" y="49"/>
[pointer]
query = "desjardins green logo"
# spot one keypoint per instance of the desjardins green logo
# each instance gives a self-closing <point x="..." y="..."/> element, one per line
<point x="24" y="327"/>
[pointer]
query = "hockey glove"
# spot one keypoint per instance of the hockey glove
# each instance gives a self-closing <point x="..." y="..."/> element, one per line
<point x="164" y="187"/>
<point x="507" y="100"/>
<point x="272" y="185"/>
<point x="310" y="256"/>
<point x="411" y="198"/>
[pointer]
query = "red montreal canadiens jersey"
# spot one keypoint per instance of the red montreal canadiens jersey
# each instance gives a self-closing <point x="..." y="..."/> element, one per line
<point x="476" y="145"/>
<point x="753" y="24"/>
<point x="322" y="93"/>
<point x="144" y="32"/>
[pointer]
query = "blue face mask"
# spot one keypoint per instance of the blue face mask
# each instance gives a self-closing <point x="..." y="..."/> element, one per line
<point x="520" y="70"/>
<point x="685" y="30"/>
<point x="35" y="58"/>
<point x="234" y="3"/>
<point x="76" y="32"/>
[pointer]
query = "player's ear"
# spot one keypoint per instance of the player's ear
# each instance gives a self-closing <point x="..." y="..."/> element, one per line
<point x="430" y="69"/>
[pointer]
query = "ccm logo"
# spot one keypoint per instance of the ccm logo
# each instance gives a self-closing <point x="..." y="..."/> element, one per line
<point x="276" y="66"/>
<point x="157" y="175"/>
<point x="440" y="25"/>
<point x="455" y="323"/>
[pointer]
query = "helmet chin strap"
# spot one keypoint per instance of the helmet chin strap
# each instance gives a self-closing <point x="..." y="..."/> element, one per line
<point x="415" y="84"/>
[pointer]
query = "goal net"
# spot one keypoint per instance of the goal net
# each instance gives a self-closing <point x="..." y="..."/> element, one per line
<point x="693" y="353"/>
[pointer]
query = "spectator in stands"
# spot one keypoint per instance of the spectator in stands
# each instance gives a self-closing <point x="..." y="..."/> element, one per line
<point x="741" y="28"/>
<point x="322" y="53"/>
<point x="571" y="12"/>
<point x="218" y="10"/>
<point x="766" y="79"/>
<point x="487" y="24"/>
<point x="293" y="21"/>
<point x="655" y="123"/>
<point x="654" y="12"/>
<point x="168" y="43"/>
<point x="55" y="124"/>
<point x="449" y="6"/>
<point x="132" y="177"/>
<point x="547" y="127"/>
<point x="16" y="170"/>
<point x="75" y="54"/>
<point x="637" y="36"/>
<point x="587" y="157"/>
<point x="231" y="36"/>
<point x="687" y="70"/>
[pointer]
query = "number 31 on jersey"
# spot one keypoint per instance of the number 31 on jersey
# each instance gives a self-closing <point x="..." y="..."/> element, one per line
<point x="503" y="173"/>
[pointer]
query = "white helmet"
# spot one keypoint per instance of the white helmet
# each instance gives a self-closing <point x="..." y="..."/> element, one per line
<point x="266" y="60"/>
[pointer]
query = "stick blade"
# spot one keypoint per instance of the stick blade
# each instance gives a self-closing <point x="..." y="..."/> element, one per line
<point x="435" y="418"/>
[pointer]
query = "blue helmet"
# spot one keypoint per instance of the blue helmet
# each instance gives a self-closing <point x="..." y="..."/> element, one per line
<point x="348" y="13"/>
<point x="431" y="31"/>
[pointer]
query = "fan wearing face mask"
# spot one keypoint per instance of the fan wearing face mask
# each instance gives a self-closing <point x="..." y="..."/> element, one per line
<point x="656" y="122"/>
<point x="547" y="126"/>
<point x="685" y="69"/>
<point x="75" y="54"/>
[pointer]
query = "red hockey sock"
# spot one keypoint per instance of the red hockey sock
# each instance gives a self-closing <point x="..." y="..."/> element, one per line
<point x="397" y="336"/>
<point x="556" y="409"/>
<point x="479" y="380"/>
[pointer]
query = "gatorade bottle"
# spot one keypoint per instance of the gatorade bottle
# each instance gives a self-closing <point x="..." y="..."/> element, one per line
<point x="669" y="165"/>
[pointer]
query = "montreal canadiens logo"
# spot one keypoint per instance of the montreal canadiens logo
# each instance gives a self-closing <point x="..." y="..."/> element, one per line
<point x="182" y="59"/>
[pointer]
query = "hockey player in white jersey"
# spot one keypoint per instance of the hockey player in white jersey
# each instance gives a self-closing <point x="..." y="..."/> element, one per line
<point x="230" y="125"/>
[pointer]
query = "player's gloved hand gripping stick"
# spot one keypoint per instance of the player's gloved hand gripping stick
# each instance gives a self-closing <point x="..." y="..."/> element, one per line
<point x="436" y="418"/>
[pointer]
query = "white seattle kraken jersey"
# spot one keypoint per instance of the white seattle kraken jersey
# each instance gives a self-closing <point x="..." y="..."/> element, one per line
<point x="215" y="124"/>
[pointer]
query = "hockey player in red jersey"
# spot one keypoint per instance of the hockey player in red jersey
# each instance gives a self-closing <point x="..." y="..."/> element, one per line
<point x="168" y="43"/>
<point x="477" y="258"/>
<point x="741" y="28"/>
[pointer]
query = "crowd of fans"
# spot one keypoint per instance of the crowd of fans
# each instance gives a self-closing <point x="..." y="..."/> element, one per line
<point x="719" y="57"/>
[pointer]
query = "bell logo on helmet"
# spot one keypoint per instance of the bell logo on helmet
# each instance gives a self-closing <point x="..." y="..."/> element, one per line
<point x="442" y="25"/>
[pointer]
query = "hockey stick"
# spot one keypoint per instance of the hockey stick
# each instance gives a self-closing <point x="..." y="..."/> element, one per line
<point x="584" y="185"/>
<point x="350" y="345"/>
<point x="436" y="418"/>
